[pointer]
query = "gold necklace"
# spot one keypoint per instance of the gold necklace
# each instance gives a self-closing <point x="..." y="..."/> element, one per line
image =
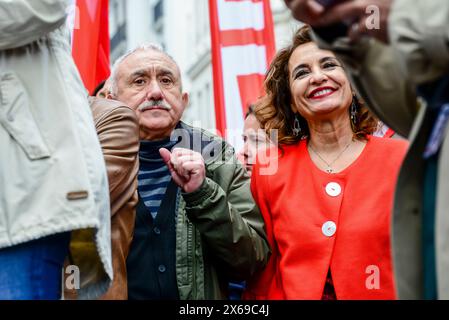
<point x="329" y="165"/>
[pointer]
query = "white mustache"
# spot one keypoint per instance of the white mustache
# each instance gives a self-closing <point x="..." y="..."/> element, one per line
<point x="153" y="103"/>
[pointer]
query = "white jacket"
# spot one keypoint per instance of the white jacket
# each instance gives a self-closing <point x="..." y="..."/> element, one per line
<point x="52" y="173"/>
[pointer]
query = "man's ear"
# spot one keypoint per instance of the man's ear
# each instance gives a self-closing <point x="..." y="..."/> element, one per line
<point x="185" y="99"/>
<point x="111" y="96"/>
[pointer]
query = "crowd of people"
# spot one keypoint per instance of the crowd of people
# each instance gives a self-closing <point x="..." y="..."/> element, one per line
<point x="147" y="207"/>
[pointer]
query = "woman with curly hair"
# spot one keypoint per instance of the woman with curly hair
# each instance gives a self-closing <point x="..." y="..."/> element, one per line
<point x="327" y="208"/>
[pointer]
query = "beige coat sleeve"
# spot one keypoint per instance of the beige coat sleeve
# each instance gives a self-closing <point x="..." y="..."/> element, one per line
<point x="419" y="32"/>
<point x="24" y="21"/>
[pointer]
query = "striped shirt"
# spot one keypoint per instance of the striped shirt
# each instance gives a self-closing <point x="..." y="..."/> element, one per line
<point x="154" y="175"/>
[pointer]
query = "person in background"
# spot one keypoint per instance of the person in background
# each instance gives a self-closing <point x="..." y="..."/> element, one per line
<point x="54" y="193"/>
<point x="327" y="209"/>
<point x="197" y="226"/>
<point x="402" y="58"/>
<point x="103" y="89"/>
<point x="118" y="132"/>
<point x="254" y="139"/>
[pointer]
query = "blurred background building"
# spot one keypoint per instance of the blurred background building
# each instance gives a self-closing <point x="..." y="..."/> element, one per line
<point x="182" y="28"/>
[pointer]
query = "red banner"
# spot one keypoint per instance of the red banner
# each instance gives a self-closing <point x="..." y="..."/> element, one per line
<point x="90" y="41"/>
<point x="242" y="47"/>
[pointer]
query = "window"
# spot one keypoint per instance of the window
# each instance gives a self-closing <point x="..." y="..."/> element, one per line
<point x="158" y="11"/>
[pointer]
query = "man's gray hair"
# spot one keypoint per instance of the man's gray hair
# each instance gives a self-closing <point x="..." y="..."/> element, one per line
<point x="145" y="46"/>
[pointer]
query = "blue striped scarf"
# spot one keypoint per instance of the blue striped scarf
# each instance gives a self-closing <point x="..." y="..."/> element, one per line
<point x="154" y="175"/>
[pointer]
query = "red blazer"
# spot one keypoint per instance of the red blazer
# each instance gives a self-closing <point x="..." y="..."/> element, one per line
<point x="316" y="221"/>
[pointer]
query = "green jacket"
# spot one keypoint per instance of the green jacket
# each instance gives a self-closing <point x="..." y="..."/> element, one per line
<point x="219" y="231"/>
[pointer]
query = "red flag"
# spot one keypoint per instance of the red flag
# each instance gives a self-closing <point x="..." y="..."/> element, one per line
<point x="90" y="46"/>
<point x="242" y="47"/>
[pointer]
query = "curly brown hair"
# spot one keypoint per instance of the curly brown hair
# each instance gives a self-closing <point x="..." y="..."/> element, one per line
<point x="273" y="110"/>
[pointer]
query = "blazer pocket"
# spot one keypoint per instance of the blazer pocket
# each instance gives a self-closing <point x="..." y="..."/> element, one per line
<point x="16" y="117"/>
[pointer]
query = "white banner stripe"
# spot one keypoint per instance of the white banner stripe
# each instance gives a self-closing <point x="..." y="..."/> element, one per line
<point x="240" y="15"/>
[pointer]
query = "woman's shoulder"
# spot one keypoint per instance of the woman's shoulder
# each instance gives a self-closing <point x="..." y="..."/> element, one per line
<point x="389" y="146"/>
<point x="293" y="149"/>
<point x="280" y="156"/>
<point x="281" y="151"/>
<point x="389" y="142"/>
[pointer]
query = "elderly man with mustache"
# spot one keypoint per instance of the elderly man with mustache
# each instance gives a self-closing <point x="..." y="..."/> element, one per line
<point x="197" y="226"/>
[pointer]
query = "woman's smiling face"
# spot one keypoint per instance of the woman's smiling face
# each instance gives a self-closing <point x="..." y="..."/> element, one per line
<point x="319" y="86"/>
